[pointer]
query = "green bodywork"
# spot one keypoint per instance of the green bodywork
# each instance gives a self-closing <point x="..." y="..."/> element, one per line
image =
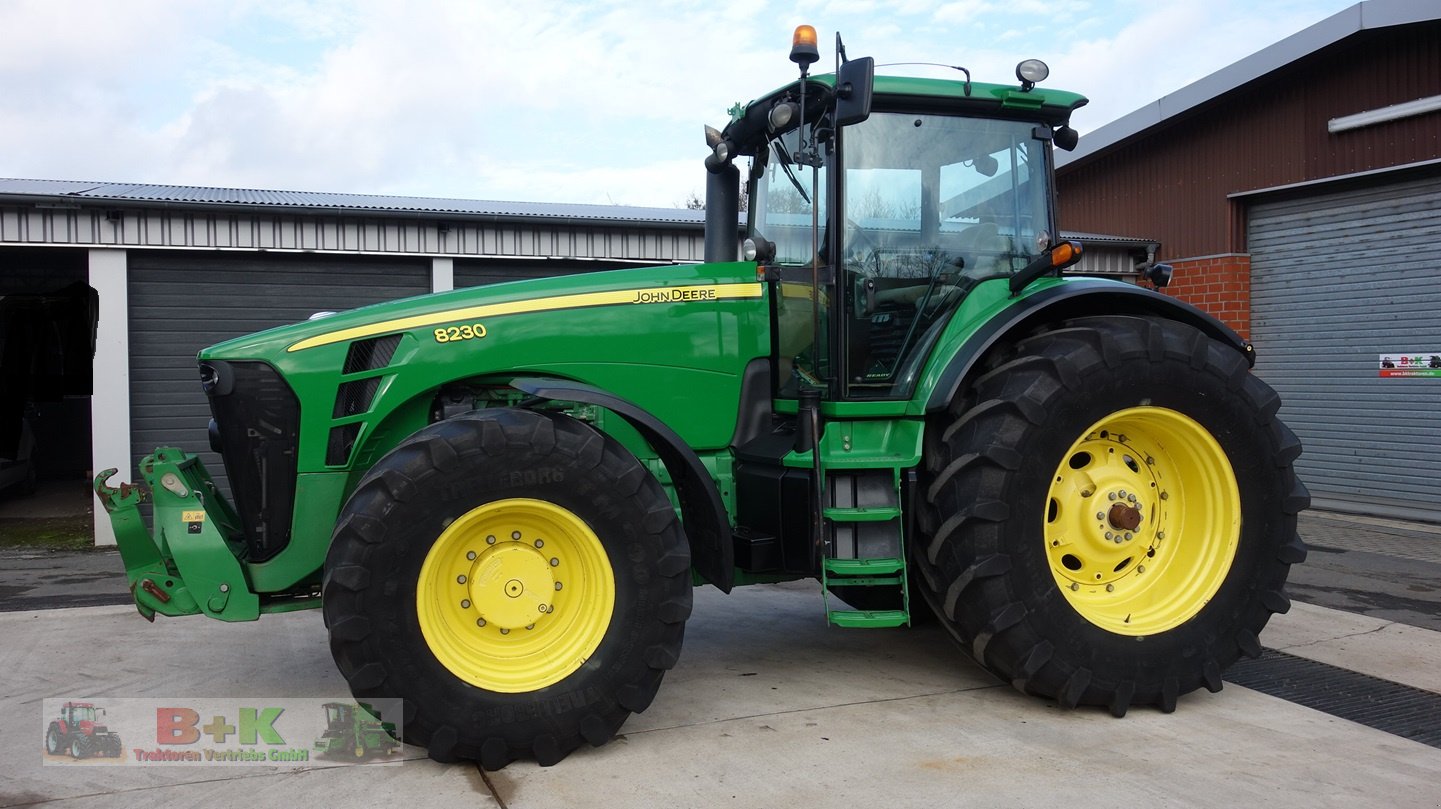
<point x="675" y="342"/>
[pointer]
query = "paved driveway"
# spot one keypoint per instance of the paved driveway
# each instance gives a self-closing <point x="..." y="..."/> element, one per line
<point x="768" y="707"/>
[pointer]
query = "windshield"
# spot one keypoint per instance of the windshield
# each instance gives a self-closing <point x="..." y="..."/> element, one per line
<point x="965" y="195"/>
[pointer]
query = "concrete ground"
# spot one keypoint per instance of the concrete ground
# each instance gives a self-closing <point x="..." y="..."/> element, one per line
<point x="768" y="707"/>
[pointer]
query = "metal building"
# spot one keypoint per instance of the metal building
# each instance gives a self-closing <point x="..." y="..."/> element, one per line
<point x="1298" y="195"/>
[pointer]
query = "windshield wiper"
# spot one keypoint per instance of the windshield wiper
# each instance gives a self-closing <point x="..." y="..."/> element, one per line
<point x="790" y="175"/>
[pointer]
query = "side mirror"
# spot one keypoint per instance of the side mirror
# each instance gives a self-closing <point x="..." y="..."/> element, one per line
<point x="1066" y="138"/>
<point x="854" y="82"/>
<point x="1158" y="274"/>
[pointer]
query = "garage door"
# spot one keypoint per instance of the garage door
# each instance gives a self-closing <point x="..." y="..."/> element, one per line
<point x="1338" y="279"/>
<point x="181" y="303"/>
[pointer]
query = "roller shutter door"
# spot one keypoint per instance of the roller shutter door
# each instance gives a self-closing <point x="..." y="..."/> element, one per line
<point x="1336" y="280"/>
<point x="181" y="303"/>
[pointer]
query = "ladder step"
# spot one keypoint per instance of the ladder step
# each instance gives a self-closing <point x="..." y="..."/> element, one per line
<point x="864" y="567"/>
<point x="869" y="618"/>
<point x="863" y="514"/>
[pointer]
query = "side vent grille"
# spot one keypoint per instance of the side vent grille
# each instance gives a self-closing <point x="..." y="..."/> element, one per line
<point x="342" y="441"/>
<point x="355" y="397"/>
<point x="368" y="355"/>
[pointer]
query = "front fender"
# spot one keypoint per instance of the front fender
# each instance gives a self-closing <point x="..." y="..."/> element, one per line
<point x="707" y="527"/>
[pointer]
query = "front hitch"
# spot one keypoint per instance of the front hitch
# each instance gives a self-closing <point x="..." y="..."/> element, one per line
<point x="189" y="564"/>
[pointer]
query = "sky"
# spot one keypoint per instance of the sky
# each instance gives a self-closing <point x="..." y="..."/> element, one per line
<point x="535" y="101"/>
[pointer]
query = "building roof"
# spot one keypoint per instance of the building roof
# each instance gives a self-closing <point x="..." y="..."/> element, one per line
<point x="1367" y="15"/>
<point x="64" y="193"/>
<point x="60" y="192"/>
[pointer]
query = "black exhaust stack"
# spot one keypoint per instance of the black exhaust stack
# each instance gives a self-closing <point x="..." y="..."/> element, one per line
<point x="722" y="213"/>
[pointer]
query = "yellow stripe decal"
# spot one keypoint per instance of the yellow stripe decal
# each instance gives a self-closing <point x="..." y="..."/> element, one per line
<point x="645" y="295"/>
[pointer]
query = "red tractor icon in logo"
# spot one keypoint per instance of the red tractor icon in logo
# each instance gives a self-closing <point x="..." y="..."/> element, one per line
<point x="78" y="732"/>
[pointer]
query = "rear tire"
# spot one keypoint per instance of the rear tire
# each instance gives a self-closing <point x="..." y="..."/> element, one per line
<point x="517" y="577"/>
<point x="1089" y="454"/>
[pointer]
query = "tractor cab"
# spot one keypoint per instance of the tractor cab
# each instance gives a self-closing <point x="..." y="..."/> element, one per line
<point x="881" y="203"/>
<point x="76" y="713"/>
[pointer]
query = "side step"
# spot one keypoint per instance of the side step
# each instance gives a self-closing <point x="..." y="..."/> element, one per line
<point x="864" y="546"/>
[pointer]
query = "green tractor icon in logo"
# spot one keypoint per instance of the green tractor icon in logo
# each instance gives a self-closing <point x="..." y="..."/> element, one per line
<point x="77" y="731"/>
<point x="351" y="730"/>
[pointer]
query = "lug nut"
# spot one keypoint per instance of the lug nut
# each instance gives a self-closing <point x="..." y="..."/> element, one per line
<point x="1121" y="493"/>
<point x="1160" y="535"/>
<point x="470" y="556"/>
<point x="1111" y="496"/>
<point x="1100" y="515"/>
<point x="1128" y="536"/>
<point x="1165" y="496"/>
<point x="480" y="622"/>
<point x="465" y="604"/>
<point x="490" y="540"/>
<point x="1140" y="568"/>
<point x="515" y="535"/>
<point x="540" y="543"/>
<point x="504" y="631"/>
<point x="1150" y="461"/>
<point x="1131" y="497"/>
<point x="530" y="626"/>
<point x="460" y="580"/>
<point x="554" y="562"/>
<point x="557" y="585"/>
<point x="1110" y="588"/>
<point x="1087" y="492"/>
<point x="1110" y="535"/>
<point x="1075" y="586"/>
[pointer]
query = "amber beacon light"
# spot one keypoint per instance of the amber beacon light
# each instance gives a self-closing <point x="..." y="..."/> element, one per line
<point x="803" y="46"/>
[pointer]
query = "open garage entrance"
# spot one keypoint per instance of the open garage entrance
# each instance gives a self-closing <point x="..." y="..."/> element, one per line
<point x="47" y="337"/>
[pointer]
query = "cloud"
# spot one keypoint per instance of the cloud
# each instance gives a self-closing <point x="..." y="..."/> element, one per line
<point x="544" y="101"/>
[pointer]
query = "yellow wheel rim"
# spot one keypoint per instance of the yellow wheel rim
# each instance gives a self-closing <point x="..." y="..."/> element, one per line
<point x="1142" y="521"/>
<point x="515" y="595"/>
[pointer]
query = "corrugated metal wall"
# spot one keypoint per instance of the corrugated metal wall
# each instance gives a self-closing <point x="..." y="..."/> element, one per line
<point x="179" y="228"/>
<point x="183" y="302"/>
<point x="1172" y="184"/>
<point x="1336" y="280"/>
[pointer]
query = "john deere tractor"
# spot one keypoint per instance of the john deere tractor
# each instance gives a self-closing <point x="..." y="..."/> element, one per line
<point x="502" y="498"/>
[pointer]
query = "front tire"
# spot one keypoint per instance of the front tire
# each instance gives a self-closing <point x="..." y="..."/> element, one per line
<point x="1111" y="514"/>
<point x="54" y="741"/>
<point x="517" y="577"/>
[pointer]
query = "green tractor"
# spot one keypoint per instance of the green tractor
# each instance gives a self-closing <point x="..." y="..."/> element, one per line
<point x="352" y="731"/>
<point x="502" y="498"/>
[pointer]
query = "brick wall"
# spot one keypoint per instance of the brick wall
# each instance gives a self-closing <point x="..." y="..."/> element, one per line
<point x="1219" y="285"/>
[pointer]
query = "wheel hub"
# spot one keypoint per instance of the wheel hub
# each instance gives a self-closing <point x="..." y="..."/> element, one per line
<point x="510" y="585"/>
<point x="1125" y="518"/>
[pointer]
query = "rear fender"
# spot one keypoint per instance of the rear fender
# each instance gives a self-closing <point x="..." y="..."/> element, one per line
<point x="1076" y="298"/>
